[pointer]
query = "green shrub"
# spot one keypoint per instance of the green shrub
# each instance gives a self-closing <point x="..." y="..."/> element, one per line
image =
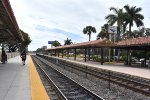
<point x="124" y="58"/>
<point x="96" y="58"/>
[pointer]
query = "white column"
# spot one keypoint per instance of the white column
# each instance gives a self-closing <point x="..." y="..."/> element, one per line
<point x="114" y="42"/>
<point x="109" y="48"/>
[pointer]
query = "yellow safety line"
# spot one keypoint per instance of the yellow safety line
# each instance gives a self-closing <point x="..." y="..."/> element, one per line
<point x="38" y="91"/>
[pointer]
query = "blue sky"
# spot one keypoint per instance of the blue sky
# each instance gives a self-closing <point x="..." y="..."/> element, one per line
<point x="48" y="20"/>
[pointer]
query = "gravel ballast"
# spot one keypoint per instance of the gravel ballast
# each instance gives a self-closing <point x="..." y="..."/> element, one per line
<point x="100" y="87"/>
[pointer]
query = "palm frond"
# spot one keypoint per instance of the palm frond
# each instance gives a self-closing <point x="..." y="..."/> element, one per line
<point x="115" y="10"/>
<point x="84" y="31"/>
<point x="127" y="8"/>
<point x="110" y="16"/>
<point x="113" y="22"/>
<point x="139" y="16"/>
<point x="139" y="23"/>
<point x="89" y="29"/>
<point x="138" y="10"/>
<point x="93" y="30"/>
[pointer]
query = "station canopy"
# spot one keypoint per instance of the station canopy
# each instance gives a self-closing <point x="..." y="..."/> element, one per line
<point x="9" y="30"/>
<point x="140" y="43"/>
<point x="90" y="44"/>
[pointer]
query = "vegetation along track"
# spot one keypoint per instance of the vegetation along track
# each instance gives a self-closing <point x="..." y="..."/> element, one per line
<point x="134" y="83"/>
<point x="67" y="88"/>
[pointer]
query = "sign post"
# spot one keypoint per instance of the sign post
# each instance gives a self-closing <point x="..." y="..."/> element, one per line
<point x="112" y="30"/>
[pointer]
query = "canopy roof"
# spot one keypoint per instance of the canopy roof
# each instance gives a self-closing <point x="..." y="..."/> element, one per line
<point x="9" y="30"/>
<point x="134" y="43"/>
<point x="89" y="44"/>
<point x="141" y="43"/>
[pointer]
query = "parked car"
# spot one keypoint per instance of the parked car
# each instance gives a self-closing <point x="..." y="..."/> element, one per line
<point x="114" y="58"/>
<point x="139" y="61"/>
<point x="143" y="59"/>
<point x="134" y="59"/>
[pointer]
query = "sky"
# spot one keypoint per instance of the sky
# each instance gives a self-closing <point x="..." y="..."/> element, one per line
<point x="49" y="20"/>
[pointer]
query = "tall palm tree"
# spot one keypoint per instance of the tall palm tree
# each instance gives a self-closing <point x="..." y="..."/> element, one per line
<point x="68" y="41"/>
<point x="133" y="16"/>
<point x="118" y="16"/>
<point x="88" y="30"/>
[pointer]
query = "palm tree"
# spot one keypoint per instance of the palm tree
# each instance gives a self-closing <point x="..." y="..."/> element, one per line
<point x="88" y="30"/>
<point x="119" y="17"/>
<point x="68" y="41"/>
<point x="133" y="16"/>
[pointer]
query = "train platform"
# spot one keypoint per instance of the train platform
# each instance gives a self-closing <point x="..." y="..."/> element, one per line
<point x="118" y="67"/>
<point x="18" y="82"/>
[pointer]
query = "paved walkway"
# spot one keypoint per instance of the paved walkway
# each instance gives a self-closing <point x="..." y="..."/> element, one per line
<point x="18" y="82"/>
<point x="14" y="80"/>
<point x="137" y="71"/>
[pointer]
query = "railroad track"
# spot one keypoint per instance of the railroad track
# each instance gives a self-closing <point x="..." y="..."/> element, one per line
<point x="66" y="88"/>
<point x="51" y="91"/>
<point x="134" y="83"/>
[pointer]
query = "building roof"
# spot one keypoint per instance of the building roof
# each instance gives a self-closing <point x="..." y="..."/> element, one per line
<point x="95" y="43"/>
<point x="141" y="43"/>
<point x="9" y="30"/>
<point x="134" y="43"/>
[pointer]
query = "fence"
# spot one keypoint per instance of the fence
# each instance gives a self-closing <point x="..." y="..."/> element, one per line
<point x="11" y="55"/>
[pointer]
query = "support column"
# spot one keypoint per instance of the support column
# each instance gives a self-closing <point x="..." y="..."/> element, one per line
<point x="58" y="53"/>
<point x="55" y="53"/>
<point x="2" y="46"/>
<point x="75" y="52"/>
<point x="110" y="48"/>
<point x="89" y="54"/>
<point x="85" y="54"/>
<point x="62" y="53"/>
<point x="102" y="56"/>
<point x="93" y="52"/>
<point x="68" y="53"/>
<point x="127" y="57"/>
<point x="130" y="57"/>
<point x="145" y="56"/>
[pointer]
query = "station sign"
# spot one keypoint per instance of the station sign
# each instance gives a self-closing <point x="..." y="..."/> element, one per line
<point x="50" y="42"/>
<point x="112" y="29"/>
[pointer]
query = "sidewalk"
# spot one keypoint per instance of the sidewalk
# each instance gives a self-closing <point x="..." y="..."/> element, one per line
<point x="14" y="80"/>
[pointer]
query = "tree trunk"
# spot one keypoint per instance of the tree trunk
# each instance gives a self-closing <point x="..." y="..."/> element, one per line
<point x="118" y="34"/>
<point x="89" y="36"/>
<point x="129" y="31"/>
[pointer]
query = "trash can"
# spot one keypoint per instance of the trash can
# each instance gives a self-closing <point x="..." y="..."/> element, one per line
<point x="125" y="63"/>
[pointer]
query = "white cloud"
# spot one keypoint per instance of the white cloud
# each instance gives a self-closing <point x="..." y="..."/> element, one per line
<point x="67" y="15"/>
